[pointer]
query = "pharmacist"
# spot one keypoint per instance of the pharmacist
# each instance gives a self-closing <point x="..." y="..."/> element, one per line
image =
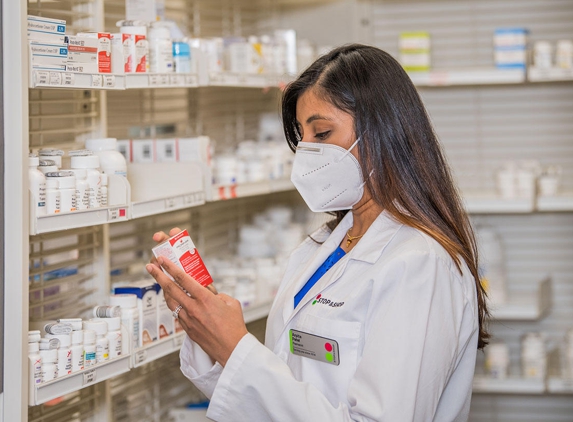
<point x="380" y="313"/>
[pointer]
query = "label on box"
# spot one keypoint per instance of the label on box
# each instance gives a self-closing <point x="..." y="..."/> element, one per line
<point x="182" y="252"/>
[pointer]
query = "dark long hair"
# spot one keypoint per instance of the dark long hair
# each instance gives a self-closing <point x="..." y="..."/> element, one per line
<point x="411" y="178"/>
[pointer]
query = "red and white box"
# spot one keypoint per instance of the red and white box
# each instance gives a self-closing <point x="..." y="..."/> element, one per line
<point x="181" y="250"/>
<point x="91" y="50"/>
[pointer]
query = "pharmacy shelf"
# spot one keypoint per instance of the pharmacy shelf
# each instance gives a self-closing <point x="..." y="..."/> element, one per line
<point x="526" y="305"/>
<point x="563" y="202"/>
<point x="76" y="219"/>
<point x="549" y="75"/>
<point x="243" y="190"/>
<point x="483" y="384"/>
<point x="483" y="76"/>
<point x="159" y="206"/>
<point x="558" y="385"/>
<point x="257" y="311"/>
<point x="489" y="203"/>
<point x="246" y="80"/>
<point x="78" y="380"/>
<point x="157" y="349"/>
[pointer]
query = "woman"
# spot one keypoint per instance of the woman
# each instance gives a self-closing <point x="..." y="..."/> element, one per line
<point x="379" y="316"/>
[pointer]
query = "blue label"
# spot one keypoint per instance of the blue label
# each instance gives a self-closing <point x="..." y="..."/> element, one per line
<point x="61" y="28"/>
<point x="63" y="51"/>
<point x="90" y="356"/>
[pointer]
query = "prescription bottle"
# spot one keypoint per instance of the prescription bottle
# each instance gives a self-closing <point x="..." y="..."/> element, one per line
<point x="49" y="368"/>
<point x="129" y="319"/>
<point x="77" y="350"/>
<point x="86" y="160"/>
<point x="89" y="348"/>
<point x="46" y="166"/>
<point x="52" y="154"/>
<point x="35" y="364"/>
<point x="64" y="353"/>
<point x="53" y="196"/>
<point x="114" y="336"/>
<point x="160" y="48"/>
<point x="37" y="184"/>
<point x="101" y="341"/>
<point x="82" y="189"/>
<point x="103" y="190"/>
<point x="111" y="161"/>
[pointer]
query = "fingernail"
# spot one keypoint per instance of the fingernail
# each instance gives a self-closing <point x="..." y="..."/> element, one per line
<point x="149" y="268"/>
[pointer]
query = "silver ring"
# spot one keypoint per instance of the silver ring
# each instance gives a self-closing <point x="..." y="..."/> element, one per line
<point x="176" y="311"/>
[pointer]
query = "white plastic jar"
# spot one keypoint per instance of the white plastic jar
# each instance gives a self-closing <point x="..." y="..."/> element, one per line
<point x="111" y="161"/>
<point x="37" y="184"/>
<point x="492" y="271"/>
<point x="35" y="364"/>
<point x="89" y="348"/>
<point x="86" y="160"/>
<point x="77" y="350"/>
<point x="114" y="336"/>
<point x="34" y="336"/>
<point x="46" y="166"/>
<point x="103" y="192"/>
<point x="129" y="319"/>
<point x="497" y="360"/>
<point x="564" y="54"/>
<point x="49" y="368"/>
<point x="160" y="48"/>
<point x="52" y="154"/>
<point x="533" y="356"/>
<point x="101" y="341"/>
<point x="66" y="181"/>
<point x="542" y="55"/>
<point x="64" y="353"/>
<point x="53" y="196"/>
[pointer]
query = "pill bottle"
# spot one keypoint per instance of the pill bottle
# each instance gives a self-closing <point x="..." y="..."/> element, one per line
<point x="76" y="323"/>
<point x="49" y="368"/>
<point x="52" y="154"/>
<point x="114" y="336"/>
<point x="160" y="48"/>
<point x="34" y="336"/>
<point x="82" y="189"/>
<point x="49" y="343"/>
<point x="85" y="159"/>
<point x="542" y="55"/>
<point x="181" y="56"/>
<point x="103" y="192"/>
<point x="106" y="311"/>
<point x="58" y="328"/>
<point x="497" y="360"/>
<point x="37" y="184"/>
<point x="564" y="54"/>
<point x="78" y="351"/>
<point x="101" y="341"/>
<point x="129" y="319"/>
<point x="35" y="364"/>
<point x="89" y="348"/>
<point x="46" y="166"/>
<point x="64" y="353"/>
<point x="533" y="356"/>
<point x="67" y="187"/>
<point x="492" y="271"/>
<point x="135" y="46"/>
<point x="111" y="161"/>
<point x="53" y="196"/>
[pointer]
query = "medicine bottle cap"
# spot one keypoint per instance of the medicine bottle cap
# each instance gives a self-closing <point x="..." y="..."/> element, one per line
<point x="66" y="179"/>
<point x="51" y="152"/>
<point x="52" y="183"/>
<point x="123" y="300"/>
<point x="47" y="163"/>
<point x="85" y="162"/>
<point x="89" y="336"/>
<point x="65" y="339"/>
<point x="49" y="343"/>
<point x="33" y="160"/>
<point x="102" y="144"/>
<point x="99" y="326"/>
<point x="113" y="323"/>
<point x="33" y="348"/>
<point x="34" y="336"/>
<point x="77" y="337"/>
<point x="49" y="356"/>
<point x="80" y="173"/>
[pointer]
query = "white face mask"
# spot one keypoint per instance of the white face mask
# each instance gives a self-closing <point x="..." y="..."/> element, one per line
<point x="327" y="176"/>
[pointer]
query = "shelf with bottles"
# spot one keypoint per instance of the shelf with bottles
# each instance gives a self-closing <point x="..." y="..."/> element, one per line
<point x="492" y="203"/>
<point x="47" y="391"/>
<point x="529" y="304"/>
<point x="560" y="385"/>
<point x="243" y="190"/>
<point x="561" y="202"/>
<point x="550" y="74"/>
<point x="477" y="76"/>
<point x="511" y="385"/>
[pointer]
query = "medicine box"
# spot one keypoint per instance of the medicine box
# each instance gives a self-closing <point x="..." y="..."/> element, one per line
<point x="510" y="48"/>
<point x="92" y="48"/>
<point x="146" y="293"/>
<point x="124" y="147"/>
<point x="142" y="151"/>
<point x="45" y="29"/>
<point x="48" y="54"/>
<point x="166" y="151"/>
<point x="118" y="60"/>
<point x="415" y="51"/>
<point x="165" y="320"/>
<point x="181" y="250"/>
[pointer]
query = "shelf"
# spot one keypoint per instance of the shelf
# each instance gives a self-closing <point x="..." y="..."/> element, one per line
<point x="159" y="206"/>
<point x="78" y="380"/>
<point x="157" y="350"/>
<point x="560" y="385"/>
<point x="257" y="311"/>
<point x="492" y="204"/>
<point x="549" y="75"/>
<point x="483" y="384"/>
<point x="527" y="305"/>
<point x="243" y="190"/>
<point x="485" y="76"/>
<point x="562" y="202"/>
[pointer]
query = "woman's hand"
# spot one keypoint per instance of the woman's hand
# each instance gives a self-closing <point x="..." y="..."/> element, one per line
<point x="161" y="237"/>
<point x="214" y="322"/>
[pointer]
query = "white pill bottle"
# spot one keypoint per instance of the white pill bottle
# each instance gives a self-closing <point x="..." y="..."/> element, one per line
<point x="129" y="320"/>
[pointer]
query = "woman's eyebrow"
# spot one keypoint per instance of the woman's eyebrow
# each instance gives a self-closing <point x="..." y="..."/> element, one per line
<point x="316" y="117"/>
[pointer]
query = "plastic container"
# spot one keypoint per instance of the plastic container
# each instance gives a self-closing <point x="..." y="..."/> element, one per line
<point x="111" y="161"/>
<point x="89" y="348"/>
<point x="64" y="353"/>
<point x="53" y="196"/>
<point x="497" y="360"/>
<point x="47" y="166"/>
<point x="160" y="48"/>
<point x="34" y="336"/>
<point x="52" y="154"/>
<point x="49" y="368"/>
<point x="106" y="311"/>
<point x="37" y="184"/>
<point x="564" y="54"/>
<point x="103" y="191"/>
<point x="67" y="187"/>
<point x="86" y="160"/>
<point x="77" y="350"/>
<point x="101" y="341"/>
<point x="492" y="265"/>
<point x="34" y="365"/>
<point x="542" y="55"/>
<point x="114" y="336"/>
<point x="129" y="319"/>
<point x="181" y="57"/>
<point x="82" y="189"/>
<point x="533" y="356"/>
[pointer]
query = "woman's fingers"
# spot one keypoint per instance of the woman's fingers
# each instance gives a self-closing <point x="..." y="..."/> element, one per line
<point x="170" y="288"/>
<point x="174" y="231"/>
<point x="161" y="237"/>
<point x="184" y="280"/>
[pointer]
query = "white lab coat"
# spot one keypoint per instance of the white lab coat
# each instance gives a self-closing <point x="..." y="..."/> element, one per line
<point x="407" y="335"/>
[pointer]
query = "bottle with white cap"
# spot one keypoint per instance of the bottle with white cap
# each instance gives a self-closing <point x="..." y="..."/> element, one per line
<point x="89" y="348"/>
<point x="101" y="341"/>
<point x="64" y="353"/>
<point x="114" y="336"/>
<point x="52" y="154"/>
<point x="103" y="190"/>
<point x="111" y="161"/>
<point x="85" y="159"/>
<point x="46" y="166"/>
<point x="35" y="365"/>
<point x="34" y="336"/>
<point x="66" y="181"/>
<point x="49" y="367"/>
<point x="53" y="196"/>
<point x="77" y="350"/>
<point x="82" y="189"/>
<point x="37" y="184"/>
<point x="129" y="319"/>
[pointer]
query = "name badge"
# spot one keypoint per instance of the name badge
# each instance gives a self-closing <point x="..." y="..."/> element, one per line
<point x="315" y="347"/>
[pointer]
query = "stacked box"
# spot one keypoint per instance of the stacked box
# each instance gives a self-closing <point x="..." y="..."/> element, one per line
<point x="47" y="43"/>
<point x="45" y="30"/>
<point x="89" y="53"/>
<point x="510" y="48"/>
<point x="415" y="51"/>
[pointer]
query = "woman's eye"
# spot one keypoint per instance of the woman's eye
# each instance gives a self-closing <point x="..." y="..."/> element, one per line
<point x="322" y="135"/>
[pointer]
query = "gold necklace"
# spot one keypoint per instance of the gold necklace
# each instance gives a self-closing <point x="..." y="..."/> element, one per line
<point x="351" y="238"/>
